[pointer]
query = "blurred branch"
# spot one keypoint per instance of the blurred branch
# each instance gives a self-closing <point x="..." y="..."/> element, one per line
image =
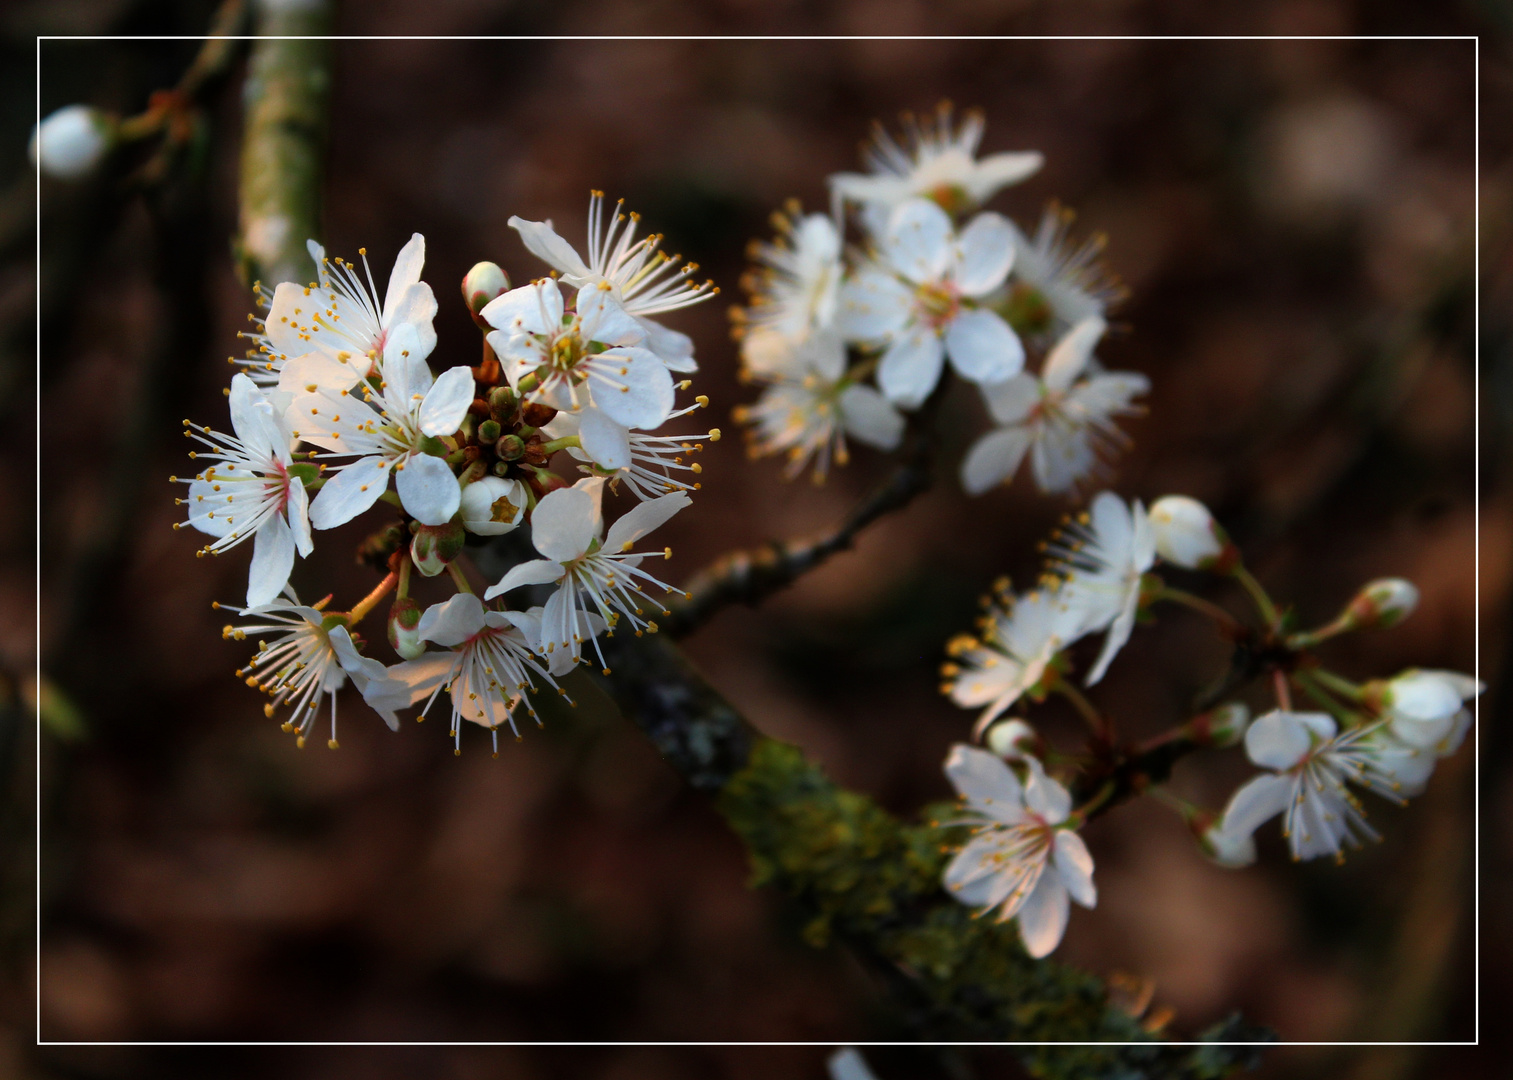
<point x="288" y="82"/>
<point x="749" y="577"/>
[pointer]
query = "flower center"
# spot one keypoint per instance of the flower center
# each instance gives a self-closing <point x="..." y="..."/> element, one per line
<point x="937" y="303"/>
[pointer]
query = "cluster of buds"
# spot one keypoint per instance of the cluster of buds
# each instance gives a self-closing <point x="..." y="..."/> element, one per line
<point x="337" y="395"/>
<point x="1383" y="736"/>
<point x="848" y="340"/>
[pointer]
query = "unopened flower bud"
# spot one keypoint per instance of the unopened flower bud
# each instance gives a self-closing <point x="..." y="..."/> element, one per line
<point x="69" y="143"/>
<point x="1187" y="535"/>
<point x="510" y="447"/>
<point x="404" y="627"/>
<point x="502" y="404"/>
<point x="1222" y="727"/>
<point x="433" y="546"/>
<point x="480" y="285"/>
<point x="1384" y="602"/>
<point x="492" y="507"/>
<point x="1013" y="740"/>
<point x="489" y="431"/>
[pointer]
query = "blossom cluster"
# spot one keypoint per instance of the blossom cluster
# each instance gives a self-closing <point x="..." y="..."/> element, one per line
<point x="847" y="340"/>
<point x="1025" y="859"/>
<point x="338" y="395"/>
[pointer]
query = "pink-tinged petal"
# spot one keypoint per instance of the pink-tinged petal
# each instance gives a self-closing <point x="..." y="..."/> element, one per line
<point x="1256" y="802"/>
<point x="531" y="309"/>
<point x="272" y="561"/>
<point x="632" y="387"/>
<point x="446" y="403"/>
<point x="1069" y="358"/>
<point x="872" y="306"/>
<point x="987" y="784"/>
<point x="407" y="267"/>
<point x="911" y="367"/>
<point x="1278" y="740"/>
<point x="1042" y="919"/>
<point x="983" y="348"/>
<point x="453" y="622"/>
<point x="642" y="519"/>
<point x="994" y="458"/>
<point x="1075" y="866"/>
<point x="563" y="523"/>
<point x="602" y="319"/>
<point x="542" y="241"/>
<point x="603" y="440"/>
<point x="428" y="489"/>
<point x="297" y="509"/>
<point x="985" y="252"/>
<point x="918" y="241"/>
<point x="674" y="348"/>
<point x="1045" y="796"/>
<point x="350" y="492"/>
<point x="535" y="572"/>
<point x="870" y="418"/>
<point x="416" y="307"/>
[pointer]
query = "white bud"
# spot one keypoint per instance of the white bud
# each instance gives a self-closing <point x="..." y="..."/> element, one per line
<point x="493" y="506"/>
<point x="1232" y="850"/>
<point x="1012" y="739"/>
<point x="1187" y="535"/>
<point x="484" y="282"/>
<point x="1222" y="727"/>
<point x="69" y="143"/>
<point x="1383" y="602"/>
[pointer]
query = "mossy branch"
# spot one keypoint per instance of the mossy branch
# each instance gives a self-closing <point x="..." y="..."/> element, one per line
<point x="288" y="80"/>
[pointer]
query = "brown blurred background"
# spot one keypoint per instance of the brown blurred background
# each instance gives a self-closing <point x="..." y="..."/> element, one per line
<point x="1295" y="224"/>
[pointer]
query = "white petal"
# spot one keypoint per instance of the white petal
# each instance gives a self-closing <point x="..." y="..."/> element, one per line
<point x="983" y="348"/>
<point x="428" y="489"/>
<point x="1256" y="802"/>
<point x="1042" y="919"/>
<point x="543" y="242"/>
<point x="1118" y="634"/>
<point x="416" y="308"/>
<point x="406" y="374"/>
<point x="446" y="403"/>
<point x="637" y="390"/>
<point x="535" y="572"/>
<point x="675" y="348"/>
<point x="642" y="519"/>
<point x="533" y="309"/>
<point x="453" y="622"/>
<point x="994" y="458"/>
<point x="603" y="440"/>
<point x="563" y="523"/>
<point x="425" y="673"/>
<point x="298" y="511"/>
<point x="272" y="561"/>
<point x="997" y="171"/>
<point x="322" y="371"/>
<point x="349" y="492"/>
<point x="872" y="306"/>
<point x="1075" y="866"/>
<point x="985" y="251"/>
<point x="911" y="367"/>
<point x="871" y="418"/>
<point x="1070" y="356"/>
<point x="1278" y="740"/>
<point x="407" y="266"/>
<point x="1045" y="796"/>
<point x="1011" y="401"/>
<point x="918" y="242"/>
<point x="601" y="318"/>
<point x="985" y="781"/>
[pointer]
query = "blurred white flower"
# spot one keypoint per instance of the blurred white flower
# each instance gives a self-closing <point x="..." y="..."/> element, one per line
<point x="1187" y="535"/>
<point x="252" y="489"/>
<point x="916" y="299"/>
<point x="1056" y="285"/>
<point x="1023" y="860"/>
<point x="794" y="290"/>
<point x="1064" y="422"/>
<point x="70" y="142"/>
<point x="1423" y="708"/>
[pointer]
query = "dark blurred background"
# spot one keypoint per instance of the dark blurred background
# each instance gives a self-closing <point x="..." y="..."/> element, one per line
<point x="1295" y="222"/>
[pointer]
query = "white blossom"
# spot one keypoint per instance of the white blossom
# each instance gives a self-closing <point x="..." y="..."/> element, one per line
<point x="653" y="465"/>
<point x="306" y="655"/>
<point x="1186" y="533"/>
<point x="331" y="333"/>
<point x="558" y="361"/>
<point x="937" y="162"/>
<point x="1065" y="423"/>
<point x="812" y="406"/>
<point x="916" y="299"/>
<point x="1313" y="763"/>
<point x="1024" y="860"/>
<point x="1103" y="556"/>
<point x="592" y="577"/>
<point x="1020" y="639"/>
<point x="644" y="280"/>
<point x="1056" y="285"/>
<point x="70" y="142"/>
<point x="488" y="665"/>
<point x="795" y="289"/>
<point x="387" y="431"/>
<point x="492" y="506"/>
<point x="251" y="489"/>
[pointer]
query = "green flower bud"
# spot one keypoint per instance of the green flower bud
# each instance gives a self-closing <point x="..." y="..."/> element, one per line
<point x="502" y="404"/>
<point x="489" y="431"/>
<point x="510" y="447"/>
<point x="404" y="622"/>
<point x="1384" y="602"/>
<point x="433" y="546"/>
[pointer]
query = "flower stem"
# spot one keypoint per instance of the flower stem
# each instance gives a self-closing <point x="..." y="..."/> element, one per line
<point x="404" y="574"/>
<point x="1284" y="692"/>
<point x="1314" y="689"/>
<point x="1197" y="603"/>
<point x="366" y="604"/>
<point x="458" y="577"/>
<point x="1095" y="719"/>
<point x="1342" y="686"/>
<point x="560" y="444"/>
<point x="1258" y="596"/>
